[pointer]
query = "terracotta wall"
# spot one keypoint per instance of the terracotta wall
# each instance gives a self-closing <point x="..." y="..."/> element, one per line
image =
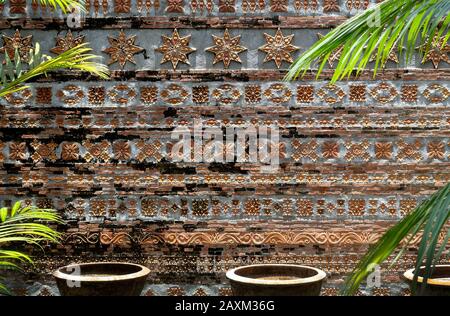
<point x="354" y="157"/>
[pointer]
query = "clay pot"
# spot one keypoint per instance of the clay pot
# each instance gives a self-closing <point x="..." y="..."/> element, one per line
<point x="101" y="279"/>
<point x="437" y="285"/>
<point x="276" y="280"/>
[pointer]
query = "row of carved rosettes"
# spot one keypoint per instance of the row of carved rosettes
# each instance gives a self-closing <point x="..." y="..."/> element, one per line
<point x="124" y="207"/>
<point x="71" y="95"/>
<point x="175" y="149"/>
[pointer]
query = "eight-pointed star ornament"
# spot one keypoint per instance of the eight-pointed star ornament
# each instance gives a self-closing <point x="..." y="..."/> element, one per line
<point x="22" y="44"/>
<point x="393" y="56"/>
<point x="67" y="42"/>
<point x="226" y="49"/>
<point x="278" y="48"/>
<point x="122" y="49"/>
<point x="175" y="49"/>
<point x="437" y="52"/>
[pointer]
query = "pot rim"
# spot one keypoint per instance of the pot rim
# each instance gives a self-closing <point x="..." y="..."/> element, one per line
<point x="409" y="275"/>
<point x="144" y="271"/>
<point x="231" y="274"/>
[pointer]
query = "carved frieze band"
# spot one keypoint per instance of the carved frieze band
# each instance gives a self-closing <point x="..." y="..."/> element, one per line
<point x="338" y="238"/>
<point x="165" y="148"/>
<point x="127" y="208"/>
<point x="379" y="94"/>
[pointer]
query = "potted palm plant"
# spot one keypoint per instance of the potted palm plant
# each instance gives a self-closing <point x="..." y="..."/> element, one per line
<point x="24" y="225"/>
<point x="373" y="35"/>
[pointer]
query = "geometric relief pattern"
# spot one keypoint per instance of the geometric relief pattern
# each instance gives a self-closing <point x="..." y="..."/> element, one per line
<point x="281" y="94"/>
<point x="324" y="207"/>
<point x="419" y="150"/>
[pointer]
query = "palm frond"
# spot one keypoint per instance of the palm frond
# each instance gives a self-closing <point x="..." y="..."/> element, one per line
<point x="24" y="225"/>
<point x="15" y="255"/>
<point x="28" y="224"/>
<point x="4" y="289"/>
<point x="77" y="58"/>
<point x="430" y="217"/>
<point x="375" y="33"/>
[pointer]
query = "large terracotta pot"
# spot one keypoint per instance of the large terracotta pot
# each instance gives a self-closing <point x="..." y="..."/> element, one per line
<point x="101" y="279"/>
<point x="437" y="285"/>
<point x="276" y="280"/>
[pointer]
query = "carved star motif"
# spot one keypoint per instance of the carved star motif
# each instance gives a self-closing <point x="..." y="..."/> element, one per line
<point x="278" y="48"/>
<point x="335" y="55"/>
<point x="175" y="49"/>
<point x="226" y="49"/>
<point x="393" y="56"/>
<point x="65" y="43"/>
<point x="438" y="52"/>
<point x="122" y="49"/>
<point x="22" y="44"/>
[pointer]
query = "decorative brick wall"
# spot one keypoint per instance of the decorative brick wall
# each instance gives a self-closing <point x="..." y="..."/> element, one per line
<point x="354" y="157"/>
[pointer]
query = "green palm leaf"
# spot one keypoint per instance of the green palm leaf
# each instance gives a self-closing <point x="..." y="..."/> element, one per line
<point x="76" y="58"/>
<point x="430" y="217"/>
<point x="378" y="31"/>
<point x="24" y="225"/>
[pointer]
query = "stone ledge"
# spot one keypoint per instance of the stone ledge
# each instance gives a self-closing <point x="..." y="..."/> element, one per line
<point x="161" y="22"/>
<point x="244" y="75"/>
